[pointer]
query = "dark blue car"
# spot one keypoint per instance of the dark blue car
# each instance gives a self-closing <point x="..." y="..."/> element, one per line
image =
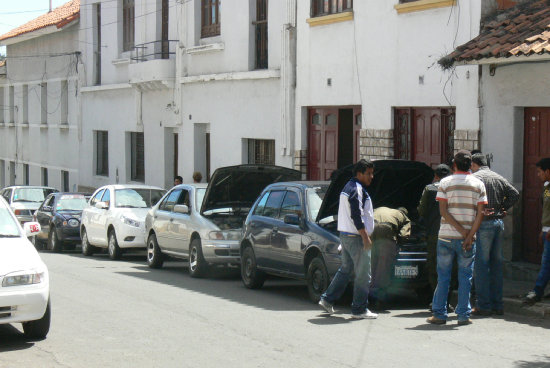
<point x="59" y="218"/>
<point x="291" y="231"/>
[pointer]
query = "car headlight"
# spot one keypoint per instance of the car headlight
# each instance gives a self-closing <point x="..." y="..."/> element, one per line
<point x="71" y="222"/>
<point x="23" y="278"/>
<point x="225" y="235"/>
<point x="131" y="222"/>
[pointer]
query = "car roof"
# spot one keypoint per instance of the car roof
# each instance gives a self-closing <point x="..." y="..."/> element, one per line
<point x="303" y="184"/>
<point x="28" y="186"/>
<point x="187" y="185"/>
<point x="129" y="186"/>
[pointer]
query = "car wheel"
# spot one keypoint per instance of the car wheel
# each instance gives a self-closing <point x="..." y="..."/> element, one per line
<point x="197" y="263"/>
<point x="54" y="244"/>
<point x="38" y="329"/>
<point x="114" y="250"/>
<point x="87" y="248"/>
<point x="251" y="276"/>
<point x="317" y="278"/>
<point x="155" y="258"/>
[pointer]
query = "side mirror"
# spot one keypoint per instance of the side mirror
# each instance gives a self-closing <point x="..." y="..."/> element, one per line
<point x="292" y="219"/>
<point x="47" y="209"/>
<point x="102" y="205"/>
<point x="181" y="208"/>
<point x="31" y="228"/>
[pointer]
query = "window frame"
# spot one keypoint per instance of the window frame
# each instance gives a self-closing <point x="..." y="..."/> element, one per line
<point x="320" y="8"/>
<point x="209" y="27"/>
<point x="300" y="203"/>
<point x="137" y="156"/>
<point x="128" y="25"/>
<point x="102" y="153"/>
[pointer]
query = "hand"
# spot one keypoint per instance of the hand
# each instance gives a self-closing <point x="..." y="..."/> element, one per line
<point x="467" y="243"/>
<point x="464" y="233"/>
<point x="367" y="243"/>
<point x="504" y="213"/>
<point x="488" y="211"/>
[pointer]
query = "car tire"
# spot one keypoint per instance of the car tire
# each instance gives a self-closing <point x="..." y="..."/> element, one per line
<point x="155" y="258"/>
<point x="317" y="278"/>
<point x="54" y="244"/>
<point x="38" y="329"/>
<point x="251" y="276"/>
<point x="197" y="263"/>
<point x="87" y="248"/>
<point x="112" y="247"/>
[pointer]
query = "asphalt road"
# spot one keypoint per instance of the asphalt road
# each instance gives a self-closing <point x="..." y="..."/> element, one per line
<point x="122" y="314"/>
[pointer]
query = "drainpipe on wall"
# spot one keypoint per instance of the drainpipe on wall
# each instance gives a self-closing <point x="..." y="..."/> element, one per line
<point x="288" y="79"/>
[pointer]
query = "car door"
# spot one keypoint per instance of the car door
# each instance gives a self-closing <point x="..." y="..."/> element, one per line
<point x="44" y="214"/>
<point x="267" y="221"/>
<point x="89" y="214"/>
<point x="286" y="243"/>
<point x="102" y="217"/>
<point x="180" y="226"/>
<point x="162" y="220"/>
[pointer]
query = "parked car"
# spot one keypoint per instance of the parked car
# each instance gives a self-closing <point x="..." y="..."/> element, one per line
<point x="59" y="218"/>
<point x="24" y="279"/>
<point x="203" y="223"/>
<point x="115" y="218"/>
<point x="291" y="230"/>
<point x="24" y="200"/>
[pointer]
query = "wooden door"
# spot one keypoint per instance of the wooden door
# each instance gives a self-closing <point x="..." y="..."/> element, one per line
<point x="322" y="143"/>
<point x="427" y="134"/>
<point x="357" y="122"/>
<point x="536" y="146"/>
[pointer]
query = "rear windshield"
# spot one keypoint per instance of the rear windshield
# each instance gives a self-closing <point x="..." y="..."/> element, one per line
<point x="31" y="194"/>
<point x="137" y="198"/>
<point x="71" y="203"/>
<point x="8" y="226"/>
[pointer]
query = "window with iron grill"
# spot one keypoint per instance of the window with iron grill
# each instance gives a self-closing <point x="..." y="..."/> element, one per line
<point x="128" y="24"/>
<point x="137" y="156"/>
<point x="326" y="7"/>
<point x="261" y="34"/>
<point x="102" y="153"/>
<point x="261" y="151"/>
<point x="210" y="18"/>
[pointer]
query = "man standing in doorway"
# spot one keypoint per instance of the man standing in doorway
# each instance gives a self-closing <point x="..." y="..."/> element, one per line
<point x="535" y="295"/>
<point x="501" y="196"/>
<point x="178" y="180"/>
<point x="355" y="223"/>
<point x="462" y="199"/>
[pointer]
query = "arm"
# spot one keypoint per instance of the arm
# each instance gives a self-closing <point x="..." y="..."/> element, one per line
<point x="367" y="242"/>
<point x="423" y="205"/>
<point x="405" y="227"/>
<point x="443" y="209"/>
<point x="511" y="195"/>
<point x="467" y="244"/>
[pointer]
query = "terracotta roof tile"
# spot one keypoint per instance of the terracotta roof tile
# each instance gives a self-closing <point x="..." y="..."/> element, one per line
<point x="60" y="16"/>
<point x="521" y="30"/>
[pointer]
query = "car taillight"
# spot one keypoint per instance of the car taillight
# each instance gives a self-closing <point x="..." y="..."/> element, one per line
<point x="17" y="212"/>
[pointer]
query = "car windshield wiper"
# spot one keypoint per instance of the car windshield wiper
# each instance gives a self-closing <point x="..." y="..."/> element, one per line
<point x="23" y="200"/>
<point x="128" y="206"/>
<point x="9" y="236"/>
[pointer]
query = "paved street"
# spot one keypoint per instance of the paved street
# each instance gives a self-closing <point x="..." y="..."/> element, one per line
<point x="122" y="314"/>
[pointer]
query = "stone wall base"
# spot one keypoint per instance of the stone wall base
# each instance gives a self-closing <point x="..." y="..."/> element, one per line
<point x="300" y="162"/>
<point x="376" y="144"/>
<point x="466" y="139"/>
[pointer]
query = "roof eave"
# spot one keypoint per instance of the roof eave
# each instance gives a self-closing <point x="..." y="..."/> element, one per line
<point x="505" y="60"/>
<point x="37" y="33"/>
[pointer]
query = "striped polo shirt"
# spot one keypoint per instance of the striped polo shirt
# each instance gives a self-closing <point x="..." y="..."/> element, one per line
<point x="463" y="192"/>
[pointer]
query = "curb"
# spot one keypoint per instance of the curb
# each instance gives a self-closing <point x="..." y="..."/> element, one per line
<point x="516" y="307"/>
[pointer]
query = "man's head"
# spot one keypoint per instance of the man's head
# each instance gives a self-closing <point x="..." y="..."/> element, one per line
<point x="442" y="171"/>
<point x="178" y="180"/>
<point x="403" y="210"/>
<point x="543" y="169"/>
<point x="478" y="160"/>
<point x="197" y="177"/>
<point x="364" y="171"/>
<point x="462" y="161"/>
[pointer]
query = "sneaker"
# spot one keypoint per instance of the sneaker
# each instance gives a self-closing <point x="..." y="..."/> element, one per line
<point x="436" y="321"/>
<point x="366" y="315"/>
<point x="531" y="298"/>
<point x="464" y="322"/>
<point x="481" y="312"/>
<point x="326" y="306"/>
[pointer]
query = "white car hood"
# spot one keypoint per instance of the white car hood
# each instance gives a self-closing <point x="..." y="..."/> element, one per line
<point x="18" y="254"/>
<point x="137" y="214"/>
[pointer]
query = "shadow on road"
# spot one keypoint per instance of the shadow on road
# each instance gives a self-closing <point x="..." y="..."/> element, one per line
<point x="326" y="320"/>
<point x="543" y="361"/>
<point x="11" y="339"/>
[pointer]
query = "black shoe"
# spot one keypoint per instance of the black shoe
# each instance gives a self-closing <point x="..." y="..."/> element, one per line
<point x="450" y="308"/>
<point x="464" y="322"/>
<point x="481" y="312"/>
<point x="531" y="298"/>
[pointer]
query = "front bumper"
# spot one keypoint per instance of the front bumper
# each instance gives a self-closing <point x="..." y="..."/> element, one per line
<point x="221" y="251"/>
<point x="130" y="236"/>
<point x="69" y="234"/>
<point x="23" y="303"/>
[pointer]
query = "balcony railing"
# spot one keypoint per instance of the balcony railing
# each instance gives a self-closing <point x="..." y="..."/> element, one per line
<point x="161" y="49"/>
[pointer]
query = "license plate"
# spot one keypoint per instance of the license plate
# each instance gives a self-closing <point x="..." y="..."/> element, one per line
<point x="406" y="272"/>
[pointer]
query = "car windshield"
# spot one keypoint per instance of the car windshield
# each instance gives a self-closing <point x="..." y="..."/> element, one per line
<point x="8" y="226"/>
<point x="137" y="198"/>
<point x="315" y="197"/>
<point x="199" y="193"/>
<point x="31" y="194"/>
<point x="71" y="203"/>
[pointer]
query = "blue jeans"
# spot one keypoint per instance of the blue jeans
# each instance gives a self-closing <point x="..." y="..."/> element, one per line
<point x="488" y="265"/>
<point x="354" y="257"/>
<point x="446" y="251"/>
<point x="544" y="273"/>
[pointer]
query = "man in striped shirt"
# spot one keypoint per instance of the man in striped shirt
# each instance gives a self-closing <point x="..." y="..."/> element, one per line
<point x="462" y="199"/>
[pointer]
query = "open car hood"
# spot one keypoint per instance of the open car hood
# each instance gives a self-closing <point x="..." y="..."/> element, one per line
<point x="238" y="186"/>
<point x="396" y="183"/>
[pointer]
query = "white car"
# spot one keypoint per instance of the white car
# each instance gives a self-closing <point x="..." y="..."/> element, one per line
<point x="24" y="278"/>
<point x="115" y="218"/>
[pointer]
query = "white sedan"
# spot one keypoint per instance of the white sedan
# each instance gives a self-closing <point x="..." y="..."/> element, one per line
<point x="115" y="218"/>
<point x="24" y="279"/>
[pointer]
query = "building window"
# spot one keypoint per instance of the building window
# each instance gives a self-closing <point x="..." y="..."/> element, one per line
<point x="210" y="18"/>
<point x="2" y="103"/>
<point x="261" y="151"/>
<point x="326" y="7"/>
<point x="25" y="104"/>
<point x="128" y="24"/>
<point x="11" y="105"/>
<point x="65" y="180"/>
<point x="137" y="156"/>
<point x="261" y="34"/>
<point x="64" y="102"/>
<point x="44" y="103"/>
<point x="26" y="174"/>
<point x="102" y="153"/>
<point x="44" y="176"/>
<point x="97" y="44"/>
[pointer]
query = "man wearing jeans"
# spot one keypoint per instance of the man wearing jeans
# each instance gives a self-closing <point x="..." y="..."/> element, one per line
<point x="501" y="196"/>
<point x="355" y="223"/>
<point x="462" y="200"/>
<point x="535" y="295"/>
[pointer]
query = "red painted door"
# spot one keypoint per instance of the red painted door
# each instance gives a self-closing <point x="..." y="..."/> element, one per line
<point x="357" y="121"/>
<point x="330" y="154"/>
<point x="323" y="143"/>
<point x="427" y="136"/>
<point x="536" y="146"/>
<point x="315" y="139"/>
